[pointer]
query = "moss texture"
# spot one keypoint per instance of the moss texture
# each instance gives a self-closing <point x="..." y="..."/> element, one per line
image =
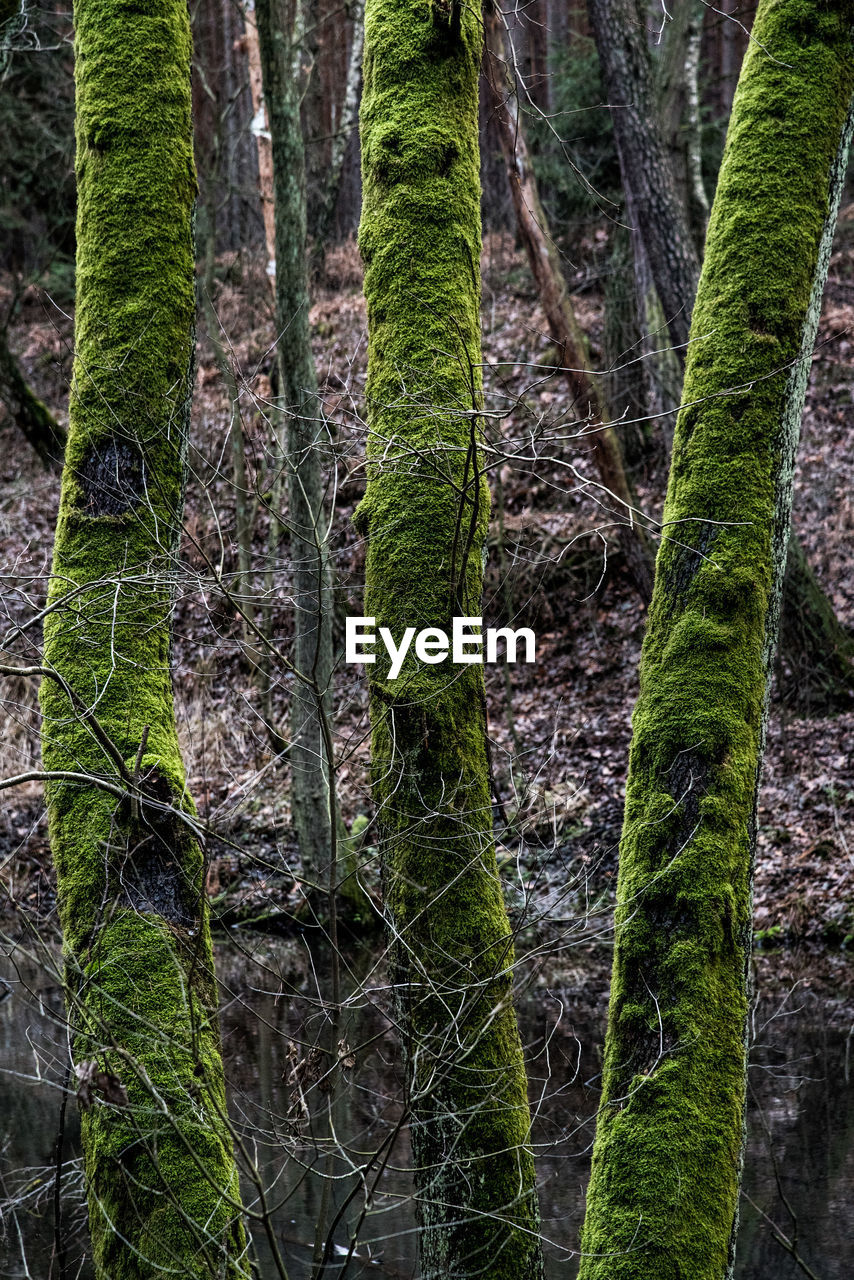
<point x="130" y="876"/>
<point x="425" y="515"/>
<point x="663" y="1195"/>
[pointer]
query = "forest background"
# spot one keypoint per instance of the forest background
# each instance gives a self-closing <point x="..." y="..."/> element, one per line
<point x="560" y="731"/>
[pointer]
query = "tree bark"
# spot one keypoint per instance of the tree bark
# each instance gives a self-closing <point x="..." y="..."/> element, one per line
<point x="627" y="75"/>
<point x="34" y="419"/>
<point x="349" y="121"/>
<point x="663" y="1196"/>
<point x="311" y="697"/>
<point x="677" y="75"/>
<point x="546" y="269"/>
<point x="809" y="626"/>
<point x="162" y="1182"/>
<point x="425" y="515"/>
<point x="261" y="132"/>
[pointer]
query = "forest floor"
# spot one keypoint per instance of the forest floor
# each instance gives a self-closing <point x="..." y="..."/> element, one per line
<point x="560" y="772"/>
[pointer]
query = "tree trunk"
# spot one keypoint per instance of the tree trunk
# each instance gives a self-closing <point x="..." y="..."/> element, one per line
<point x="644" y="163"/>
<point x="311" y="697"/>
<point x="33" y="418"/>
<point x="809" y="626"/>
<point x="678" y="92"/>
<point x="425" y="515"/>
<point x="162" y="1182"/>
<point x="662" y="222"/>
<point x="349" y="121"/>
<point x="629" y="382"/>
<point x="241" y="583"/>
<point x="554" y="296"/>
<point x="261" y="132"/>
<point x="698" y="200"/>
<point x="663" y="1196"/>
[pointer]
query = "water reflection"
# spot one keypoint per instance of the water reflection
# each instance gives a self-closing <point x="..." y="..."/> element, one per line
<point x="800" y="1158"/>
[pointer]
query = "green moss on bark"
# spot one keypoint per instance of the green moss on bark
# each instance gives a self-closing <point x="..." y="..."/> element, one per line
<point x="157" y="1169"/>
<point x="425" y="515"/>
<point x="130" y="875"/>
<point x="662" y="1201"/>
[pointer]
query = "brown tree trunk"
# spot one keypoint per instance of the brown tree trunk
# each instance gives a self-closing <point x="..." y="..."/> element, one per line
<point x="808" y="626"/>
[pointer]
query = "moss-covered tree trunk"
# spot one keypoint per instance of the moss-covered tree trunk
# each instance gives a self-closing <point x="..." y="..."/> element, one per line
<point x="425" y="516"/>
<point x="162" y="1182"/>
<point x="311" y="697"/>
<point x="662" y="1201"/>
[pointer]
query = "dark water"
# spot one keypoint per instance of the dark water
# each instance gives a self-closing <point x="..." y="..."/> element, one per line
<point x="800" y="1153"/>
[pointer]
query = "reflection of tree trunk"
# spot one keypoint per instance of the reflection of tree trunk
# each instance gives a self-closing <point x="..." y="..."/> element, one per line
<point x="161" y="1178"/>
<point x="425" y="515"/>
<point x="311" y="697"/>
<point x="673" y="1083"/>
<point x="33" y="419"/>
<point x="12" y="20"/>
<point x="555" y="300"/>
<point x="661" y="220"/>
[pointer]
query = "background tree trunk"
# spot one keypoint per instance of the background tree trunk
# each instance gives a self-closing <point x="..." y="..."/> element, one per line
<point x="425" y="516"/>
<point x="261" y="133"/>
<point x="162" y="1183"/>
<point x="808" y="626"/>
<point x="677" y="75"/>
<point x="620" y="30"/>
<point x="34" y="419"/>
<point x="311" y="698"/>
<point x="663" y="1196"/>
